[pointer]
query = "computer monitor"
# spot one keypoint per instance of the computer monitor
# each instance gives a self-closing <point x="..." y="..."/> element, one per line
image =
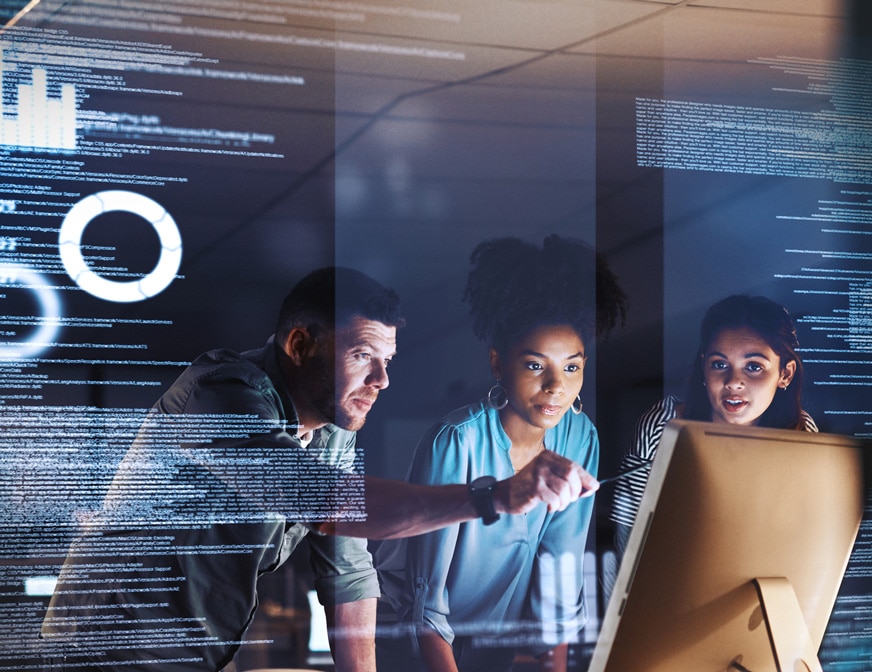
<point x="737" y="553"/>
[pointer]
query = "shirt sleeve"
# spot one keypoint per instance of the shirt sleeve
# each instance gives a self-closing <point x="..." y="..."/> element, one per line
<point x="342" y="565"/>
<point x="557" y="585"/>
<point x="439" y="459"/>
<point x="629" y="490"/>
<point x="343" y="569"/>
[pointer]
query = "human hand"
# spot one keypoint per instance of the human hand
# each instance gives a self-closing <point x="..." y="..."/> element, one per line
<point x="548" y="478"/>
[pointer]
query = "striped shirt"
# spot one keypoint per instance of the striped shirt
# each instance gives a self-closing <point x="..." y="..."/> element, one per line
<point x="649" y="430"/>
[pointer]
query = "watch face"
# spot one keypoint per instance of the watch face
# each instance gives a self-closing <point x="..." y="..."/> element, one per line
<point x="481" y="491"/>
<point x="483" y="482"/>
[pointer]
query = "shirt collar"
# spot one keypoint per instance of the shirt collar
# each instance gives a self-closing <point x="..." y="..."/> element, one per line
<point x="274" y="371"/>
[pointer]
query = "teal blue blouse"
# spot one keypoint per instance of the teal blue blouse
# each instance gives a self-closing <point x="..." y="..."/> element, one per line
<point x="519" y="581"/>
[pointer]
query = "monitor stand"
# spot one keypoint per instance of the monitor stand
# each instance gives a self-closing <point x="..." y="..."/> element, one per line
<point x="791" y="643"/>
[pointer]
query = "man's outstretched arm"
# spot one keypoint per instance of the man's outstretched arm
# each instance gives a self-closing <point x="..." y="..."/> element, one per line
<point x="397" y="509"/>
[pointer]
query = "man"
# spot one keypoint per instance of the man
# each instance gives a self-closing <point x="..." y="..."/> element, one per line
<point x="244" y="456"/>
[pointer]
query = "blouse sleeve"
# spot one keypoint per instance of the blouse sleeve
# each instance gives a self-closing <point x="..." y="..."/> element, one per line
<point x="441" y="458"/>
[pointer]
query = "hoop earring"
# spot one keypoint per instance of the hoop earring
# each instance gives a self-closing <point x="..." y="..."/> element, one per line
<point x="497" y="397"/>
<point x="577" y="405"/>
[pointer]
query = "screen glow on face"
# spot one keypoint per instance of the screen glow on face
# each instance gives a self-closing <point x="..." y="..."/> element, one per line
<point x="542" y="374"/>
<point x="742" y="374"/>
<point x="348" y="373"/>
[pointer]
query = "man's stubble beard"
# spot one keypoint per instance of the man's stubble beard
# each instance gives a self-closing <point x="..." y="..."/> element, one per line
<point x="321" y="383"/>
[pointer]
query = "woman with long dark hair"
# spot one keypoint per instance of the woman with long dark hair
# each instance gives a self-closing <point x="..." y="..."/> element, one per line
<point x="745" y="372"/>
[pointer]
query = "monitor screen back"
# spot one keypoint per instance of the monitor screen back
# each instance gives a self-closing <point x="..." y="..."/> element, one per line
<point x="722" y="507"/>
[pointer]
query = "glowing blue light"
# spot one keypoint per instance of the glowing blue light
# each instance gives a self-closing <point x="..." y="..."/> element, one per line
<point x="50" y="307"/>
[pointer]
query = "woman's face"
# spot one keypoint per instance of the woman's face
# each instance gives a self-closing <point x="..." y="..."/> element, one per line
<point x="742" y="375"/>
<point x="542" y="374"/>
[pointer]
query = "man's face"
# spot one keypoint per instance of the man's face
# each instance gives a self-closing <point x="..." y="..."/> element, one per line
<point x="349" y="369"/>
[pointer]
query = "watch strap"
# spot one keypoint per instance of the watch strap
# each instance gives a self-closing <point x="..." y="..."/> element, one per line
<point x="481" y="491"/>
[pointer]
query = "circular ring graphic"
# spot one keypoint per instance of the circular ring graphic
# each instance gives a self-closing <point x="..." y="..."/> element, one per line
<point x="70" y="244"/>
<point x="49" y="323"/>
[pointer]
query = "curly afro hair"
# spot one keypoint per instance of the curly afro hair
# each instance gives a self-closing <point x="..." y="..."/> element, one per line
<point x="515" y="287"/>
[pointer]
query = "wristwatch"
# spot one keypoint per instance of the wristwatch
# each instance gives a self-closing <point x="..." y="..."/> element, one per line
<point x="481" y="490"/>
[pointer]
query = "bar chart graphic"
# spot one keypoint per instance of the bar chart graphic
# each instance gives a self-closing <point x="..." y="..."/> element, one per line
<point x="38" y="121"/>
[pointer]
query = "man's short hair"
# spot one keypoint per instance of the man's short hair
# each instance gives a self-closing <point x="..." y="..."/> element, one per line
<point x="332" y="296"/>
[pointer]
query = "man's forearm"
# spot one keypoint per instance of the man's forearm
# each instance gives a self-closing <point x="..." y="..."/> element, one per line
<point x="352" y="635"/>
<point x="397" y="509"/>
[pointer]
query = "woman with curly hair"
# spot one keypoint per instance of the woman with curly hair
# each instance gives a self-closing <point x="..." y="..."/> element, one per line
<point x="472" y="594"/>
